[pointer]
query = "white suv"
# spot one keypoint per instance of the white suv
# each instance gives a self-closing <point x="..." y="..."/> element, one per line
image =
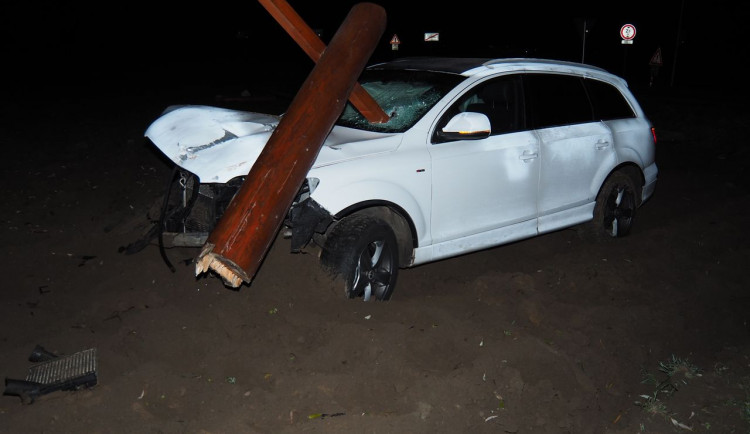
<point x="477" y="153"/>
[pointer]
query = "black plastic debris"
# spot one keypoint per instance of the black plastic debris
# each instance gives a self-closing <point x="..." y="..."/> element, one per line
<point x="51" y="373"/>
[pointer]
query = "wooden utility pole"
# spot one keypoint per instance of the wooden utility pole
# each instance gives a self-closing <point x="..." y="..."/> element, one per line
<point x="311" y="44"/>
<point x="239" y="242"/>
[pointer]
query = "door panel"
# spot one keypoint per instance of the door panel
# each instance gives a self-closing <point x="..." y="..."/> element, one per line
<point x="574" y="147"/>
<point x="480" y="185"/>
<point x="485" y="184"/>
<point x="571" y="158"/>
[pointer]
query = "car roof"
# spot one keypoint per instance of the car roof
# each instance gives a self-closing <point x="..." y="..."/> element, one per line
<point x="453" y="65"/>
<point x="475" y="66"/>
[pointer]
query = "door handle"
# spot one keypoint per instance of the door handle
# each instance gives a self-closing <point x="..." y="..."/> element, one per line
<point x="602" y="144"/>
<point x="528" y="156"/>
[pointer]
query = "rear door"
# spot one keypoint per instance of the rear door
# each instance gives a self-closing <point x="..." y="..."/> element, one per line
<point x="576" y="150"/>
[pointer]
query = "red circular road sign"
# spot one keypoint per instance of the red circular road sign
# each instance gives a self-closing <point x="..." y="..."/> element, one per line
<point x="627" y="32"/>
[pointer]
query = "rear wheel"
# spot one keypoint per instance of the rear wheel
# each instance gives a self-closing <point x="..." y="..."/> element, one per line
<point x="362" y="250"/>
<point x="615" y="206"/>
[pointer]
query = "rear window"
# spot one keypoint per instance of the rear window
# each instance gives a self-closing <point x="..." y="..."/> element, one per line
<point x="608" y="102"/>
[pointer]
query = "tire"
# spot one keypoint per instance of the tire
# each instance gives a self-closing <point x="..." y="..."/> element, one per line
<point x="362" y="250"/>
<point x="616" y="205"/>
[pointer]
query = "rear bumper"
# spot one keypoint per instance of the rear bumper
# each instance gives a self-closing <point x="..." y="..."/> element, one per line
<point x="650" y="174"/>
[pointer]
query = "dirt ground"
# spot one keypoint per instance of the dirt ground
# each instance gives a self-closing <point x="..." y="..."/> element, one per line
<point x="555" y="334"/>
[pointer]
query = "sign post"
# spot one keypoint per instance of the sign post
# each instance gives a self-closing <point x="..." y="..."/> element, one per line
<point x="627" y="33"/>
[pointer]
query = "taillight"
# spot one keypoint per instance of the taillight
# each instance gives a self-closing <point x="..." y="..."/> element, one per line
<point x="653" y="133"/>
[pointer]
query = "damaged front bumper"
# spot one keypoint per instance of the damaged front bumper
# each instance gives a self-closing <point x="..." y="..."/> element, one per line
<point x="191" y="211"/>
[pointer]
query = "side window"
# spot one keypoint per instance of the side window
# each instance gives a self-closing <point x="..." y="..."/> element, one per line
<point x="555" y="100"/>
<point x="608" y="101"/>
<point x="500" y="99"/>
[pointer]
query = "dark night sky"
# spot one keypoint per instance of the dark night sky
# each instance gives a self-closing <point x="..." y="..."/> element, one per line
<point x="229" y="41"/>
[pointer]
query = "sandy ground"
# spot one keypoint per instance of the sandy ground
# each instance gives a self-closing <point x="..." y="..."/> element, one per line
<point x="555" y="334"/>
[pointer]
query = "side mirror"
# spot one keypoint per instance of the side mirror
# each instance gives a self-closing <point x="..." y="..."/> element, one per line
<point x="466" y="126"/>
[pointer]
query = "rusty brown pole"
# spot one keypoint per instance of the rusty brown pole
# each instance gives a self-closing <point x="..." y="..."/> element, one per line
<point x="311" y="44"/>
<point x="243" y="235"/>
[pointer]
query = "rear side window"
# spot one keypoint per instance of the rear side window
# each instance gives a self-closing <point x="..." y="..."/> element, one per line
<point x="555" y="100"/>
<point x="608" y="102"/>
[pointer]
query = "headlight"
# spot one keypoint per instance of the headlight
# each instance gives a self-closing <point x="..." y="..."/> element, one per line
<point x="312" y="184"/>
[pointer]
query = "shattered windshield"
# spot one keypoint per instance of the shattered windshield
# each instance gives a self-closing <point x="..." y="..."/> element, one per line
<point x="404" y="95"/>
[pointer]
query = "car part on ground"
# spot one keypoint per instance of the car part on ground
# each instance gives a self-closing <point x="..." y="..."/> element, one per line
<point x="51" y="373"/>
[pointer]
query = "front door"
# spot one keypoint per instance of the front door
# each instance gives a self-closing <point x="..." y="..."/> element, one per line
<point x="479" y="186"/>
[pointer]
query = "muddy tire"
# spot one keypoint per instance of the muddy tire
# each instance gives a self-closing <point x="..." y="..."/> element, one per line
<point x="616" y="206"/>
<point x="362" y="251"/>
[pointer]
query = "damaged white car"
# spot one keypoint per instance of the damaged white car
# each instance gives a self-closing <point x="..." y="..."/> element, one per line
<point x="477" y="153"/>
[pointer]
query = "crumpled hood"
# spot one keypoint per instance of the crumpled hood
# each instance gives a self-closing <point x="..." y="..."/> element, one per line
<point x="219" y="144"/>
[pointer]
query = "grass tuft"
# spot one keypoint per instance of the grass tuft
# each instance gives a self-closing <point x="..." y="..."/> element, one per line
<point x="680" y="369"/>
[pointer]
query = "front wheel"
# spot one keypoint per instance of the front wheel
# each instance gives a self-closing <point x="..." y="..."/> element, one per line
<point x="362" y="250"/>
<point x="615" y="206"/>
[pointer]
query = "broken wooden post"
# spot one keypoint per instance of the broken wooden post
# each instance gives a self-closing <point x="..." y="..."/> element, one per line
<point x="243" y="235"/>
<point x="311" y="44"/>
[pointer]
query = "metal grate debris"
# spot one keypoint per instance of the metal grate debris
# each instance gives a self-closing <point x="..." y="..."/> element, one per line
<point x="63" y="369"/>
<point x="53" y="373"/>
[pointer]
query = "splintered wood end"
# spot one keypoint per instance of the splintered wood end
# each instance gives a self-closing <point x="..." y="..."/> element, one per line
<point x="230" y="273"/>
